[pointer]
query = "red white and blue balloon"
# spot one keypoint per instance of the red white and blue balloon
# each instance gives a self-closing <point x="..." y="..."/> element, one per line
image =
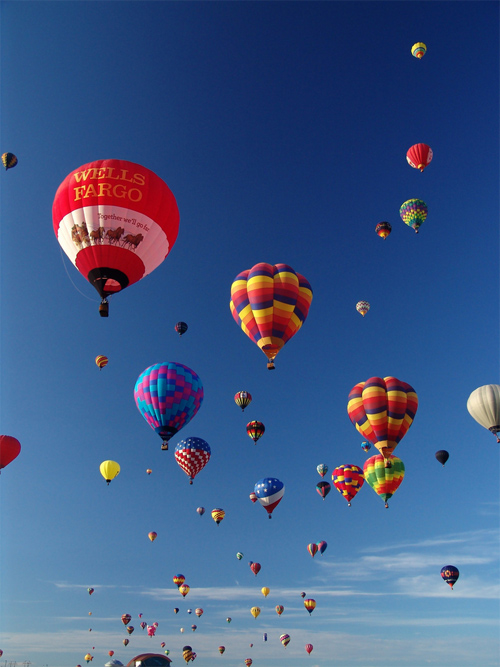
<point x="269" y="492"/>
<point x="192" y="455"/>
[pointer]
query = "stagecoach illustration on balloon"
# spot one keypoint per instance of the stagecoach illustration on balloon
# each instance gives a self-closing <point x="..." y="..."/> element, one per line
<point x="82" y="238"/>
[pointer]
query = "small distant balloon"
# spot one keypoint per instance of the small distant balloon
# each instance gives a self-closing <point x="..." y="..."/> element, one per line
<point x="413" y="213"/>
<point x="255" y="567"/>
<point x="162" y="644"/>
<point x="192" y="455"/>
<point x="418" y="50"/>
<point x="181" y="328"/>
<point x="248" y="662"/>
<point x="312" y="549"/>
<point x="189" y="611"/>
<point x="264" y="637"/>
<point x="383" y="229"/>
<point x="442" y="456"/>
<point x="310" y="605"/>
<point x="239" y="555"/>
<point x="285" y="639"/>
<point x="126" y="618"/>
<point x="152" y="536"/>
<point x="243" y="399"/>
<point x="302" y="595"/>
<point x="269" y="491"/>
<point x="229" y="619"/>
<point x="201" y="511"/>
<point x="255" y="611"/>
<point x="151" y="630"/>
<point x="198" y="611"/>
<point x="322" y="546"/>
<point x="362" y="307"/>
<point x="322" y="469"/>
<point x="222" y="649"/>
<point x="253" y="497"/>
<point x="365" y="446"/>
<point x="149" y="471"/>
<point x="109" y="470"/>
<point x="255" y="430"/>
<point x="130" y="629"/>
<point x="218" y="514"/>
<point x="178" y="579"/>
<point x="419" y="156"/>
<point x="90" y="591"/>
<point x="280" y="609"/>
<point x="265" y="591"/>
<point x="176" y="610"/>
<point x="484" y="406"/>
<point x="323" y="488"/>
<point x="184" y="590"/>
<point x="450" y="574"/>
<point x="309" y="648"/>
<point x="9" y="450"/>
<point x="143" y="624"/>
<point x="125" y="642"/>
<point x="9" y="160"/>
<point x="193" y="627"/>
<point x="101" y="361"/>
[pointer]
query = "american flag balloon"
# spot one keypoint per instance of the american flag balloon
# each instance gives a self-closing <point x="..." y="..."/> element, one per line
<point x="269" y="492"/>
<point x="192" y="454"/>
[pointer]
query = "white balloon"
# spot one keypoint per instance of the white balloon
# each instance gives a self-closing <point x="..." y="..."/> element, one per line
<point x="484" y="406"/>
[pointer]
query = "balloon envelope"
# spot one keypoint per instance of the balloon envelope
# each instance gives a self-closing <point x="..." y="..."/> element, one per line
<point x="484" y="406"/>
<point x="322" y="546"/>
<point x="10" y="448"/>
<point x="310" y="605"/>
<point x="450" y="574"/>
<point x="413" y="212"/>
<point x="322" y="469"/>
<point x="168" y="395"/>
<point x="101" y="361"/>
<point x="285" y="639"/>
<point x="312" y="549"/>
<point x="192" y="455"/>
<point x="181" y="328"/>
<point x="109" y="470"/>
<point x="362" y="307"/>
<point x="201" y="511"/>
<point x="309" y="648"/>
<point x="383" y="229"/>
<point x="243" y="399"/>
<point x="419" y="156"/>
<point x="323" y="488"/>
<point x="255" y="430"/>
<point x="255" y="567"/>
<point x="418" y="50"/>
<point x="178" y="579"/>
<point x="255" y="611"/>
<point x="269" y="492"/>
<point x="270" y="304"/>
<point x="384" y="480"/>
<point x="9" y="160"/>
<point x="442" y="456"/>
<point x="218" y="514"/>
<point x="348" y="479"/>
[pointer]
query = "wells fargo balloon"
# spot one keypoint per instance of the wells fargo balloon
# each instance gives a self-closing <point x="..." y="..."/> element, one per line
<point x="109" y="470"/>
<point x="255" y="611"/>
<point x="218" y="514"/>
<point x="178" y="580"/>
<point x="484" y="406"/>
<point x="270" y="304"/>
<point x="322" y="469"/>
<point x="312" y="548"/>
<point x="384" y="480"/>
<point x="285" y="639"/>
<point x="181" y="328"/>
<point x="184" y="590"/>
<point x="101" y="361"/>
<point x="243" y="399"/>
<point x="383" y="229"/>
<point x="323" y="488"/>
<point x="362" y="307"/>
<point x="442" y="456"/>
<point x="450" y="574"/>
<point x="348" y="479"/>
<point x="310" y="605"/>
<point x="9" y="160"/>
<point x="280" y="609"/>
<point x="418" y="50"/>
<point x="117" y="221"/>
<point x="413" y="213"/>
<point x="382" y="410"/>
<point x="269" y="492"/>
<point x="10" y="448"/>
<point x="255" y="430"/>
<point x="419" y="156"/>
<point x="152" y="536"/>
<point x="192" y="455"/>
<point x="168" y="395"/>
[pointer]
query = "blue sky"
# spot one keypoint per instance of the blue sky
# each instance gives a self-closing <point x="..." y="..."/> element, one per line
<point x="282" y="129"/>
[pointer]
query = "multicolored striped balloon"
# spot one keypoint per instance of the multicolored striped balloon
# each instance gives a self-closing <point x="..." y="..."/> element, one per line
<point x="413" y="213"/>
<point x="382" y="410"/>
<point x="383" y="229"/>
<point x="384" y="480"/>
<point x="168" y="395"/>
<point x="270" y="304"/>
<point x="192" y="455"/>
<point x="285" y="639"/>
<point x="243" y="399"/>
<point x="418" y="50"/>
<point x="312" y="549"/>
<point x="9" y="160"/>
<point x="101" y="361"/>
<point x="218" y="514"/>
<point x="255" y="430"/>
<point x="348" y="479"/>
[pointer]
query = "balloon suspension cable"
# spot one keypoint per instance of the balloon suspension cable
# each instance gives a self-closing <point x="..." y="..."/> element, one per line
<point x="71" y="279"/>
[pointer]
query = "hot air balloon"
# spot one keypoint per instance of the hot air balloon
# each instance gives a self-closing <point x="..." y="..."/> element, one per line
<point x="130" y="629"/>
<point x="198" y="611"/>
<point x="243" y="399"/>
<point x="181" y="328"/>
<point x="450" y="574"/>
<point x="383" y="229"/>
<point x="143" y="624"/>
<point x="126" y="642"/>
<point x="264" y="636"/>
<point x="152" y="536"/>
<point x="222" y="649"/>
<point x="310" y="605"/>
<point x="309" y="648"/>
<point x="255" y="567"/>
<point x="168" y="395"/>
<point x="255" y="611"/>
<point x="179" y="579"/>
<point x="89" y="657"/>
<point x="229" y="619"/>
<point x="348" y="479"/>
<point x="312" y="549"/>
<point x="442" y="456"/>
<point x="253" y="497"/>
<point x="9" y="160"/>
<point x="382" y="410"/>
<point x="10" y="448"/>
<point x="302" y="595"/>
<point x="90" y="591"/>
<point x="322" y="546"/>
<point x="176" y="610"/>
<point x="323" y="488"/>
<point x="362" y="307"/>
<point x="270" y="304"/>
<point x="418" y="50"/>
<point x="265" y="591"/>
<point x="101" y="361"/>
<point x="151" y="630"/>
<point x="187" y="653"/>
<point x="193" y="627"/>
<point x="116" y="221"/>
<point x="285" y="640"/>
<point x="189" y="611"/>
<point x="365" y="446"/>
<point x="182" y="629"/>
<point x="239" y="555"/>
<point x="419" y="156"/>
<point x="255" y="430"/>
<point x="126" y="618"/>
<point x="184" y="590"/>
<point x="201" y="511"/>
<point x="413" y="213"/>
<point x="218" y="514"/>
<point x="280" y="609"/>
<point x="109" y="470"/>
<point x="248" y="662"/>
<point x="111" y="653"/>
<point x="322" y="469"/>
<point x="192" y="455"/>
<point x="384" y="480"/>
<point x="484" y="406"/>
<point x="149" y="471"/>
<point x="269" y="492"/>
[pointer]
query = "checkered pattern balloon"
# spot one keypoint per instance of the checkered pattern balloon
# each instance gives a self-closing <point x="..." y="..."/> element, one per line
<point x="192" y="454"/>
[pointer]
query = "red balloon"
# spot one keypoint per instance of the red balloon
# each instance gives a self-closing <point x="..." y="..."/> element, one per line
<point x="126" y="618"/>
<point x="255" y="567"/>
<point x="9" y="449"/>
<point x="419" y="156"/>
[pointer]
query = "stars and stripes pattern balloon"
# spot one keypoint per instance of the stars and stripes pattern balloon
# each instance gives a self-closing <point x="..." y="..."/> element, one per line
<point x="192" y="455"/>
<point x="269" y="492"/>
<point x="348" y="479"/>
<point x="168" y="395"/>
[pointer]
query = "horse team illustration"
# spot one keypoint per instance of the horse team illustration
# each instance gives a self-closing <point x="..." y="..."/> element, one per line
<point x="82" y="238"/>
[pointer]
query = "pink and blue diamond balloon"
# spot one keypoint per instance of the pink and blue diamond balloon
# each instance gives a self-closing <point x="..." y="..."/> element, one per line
<point x="269" y="492"/>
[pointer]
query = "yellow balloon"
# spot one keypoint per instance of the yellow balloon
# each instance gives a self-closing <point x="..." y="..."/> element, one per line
<point x="265" y="591"/>
<point x="255" y="611"/>
<point x="109" y="470"/>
